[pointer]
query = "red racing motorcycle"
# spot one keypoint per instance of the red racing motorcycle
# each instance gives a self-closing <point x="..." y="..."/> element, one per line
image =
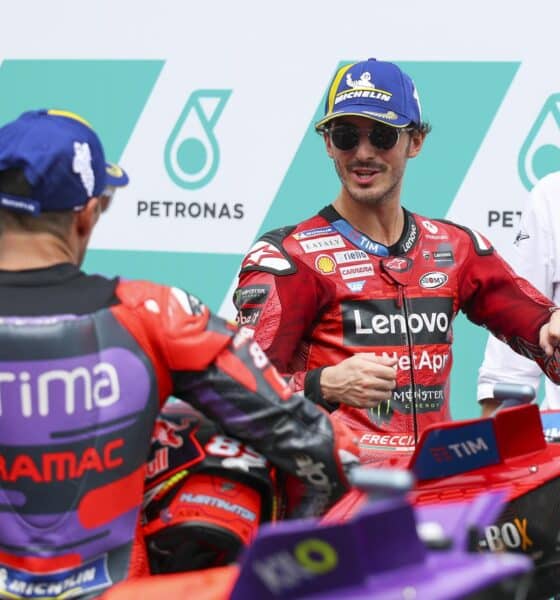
<point x="458" y="461"/>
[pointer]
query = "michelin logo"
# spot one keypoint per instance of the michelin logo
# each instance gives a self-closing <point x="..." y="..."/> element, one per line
<point x="68" y="583"/>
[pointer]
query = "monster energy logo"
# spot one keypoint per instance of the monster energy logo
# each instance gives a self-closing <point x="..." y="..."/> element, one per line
<point x="425" y="399"/>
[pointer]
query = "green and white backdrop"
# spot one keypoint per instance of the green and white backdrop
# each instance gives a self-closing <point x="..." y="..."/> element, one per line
<point x="209" y="106"/>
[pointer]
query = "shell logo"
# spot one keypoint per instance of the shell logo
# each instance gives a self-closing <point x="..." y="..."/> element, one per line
<point x="325" y="264"/>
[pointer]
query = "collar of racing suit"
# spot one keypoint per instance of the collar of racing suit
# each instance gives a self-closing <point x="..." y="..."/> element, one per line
<point x="406" y="241"/>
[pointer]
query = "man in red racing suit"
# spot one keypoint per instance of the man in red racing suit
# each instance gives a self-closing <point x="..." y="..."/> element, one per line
<point x="85" y="364"/>
<point x="315" y="298"/>
<point x="366" y="288"/>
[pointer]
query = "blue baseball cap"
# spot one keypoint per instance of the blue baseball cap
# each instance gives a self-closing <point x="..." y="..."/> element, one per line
<point x="375" y="89"/>
<point x="61" y="157"/>
<point x="115" y="176"/>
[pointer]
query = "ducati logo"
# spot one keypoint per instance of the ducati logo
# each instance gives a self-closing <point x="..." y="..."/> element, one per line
<point x="399" y="264"/>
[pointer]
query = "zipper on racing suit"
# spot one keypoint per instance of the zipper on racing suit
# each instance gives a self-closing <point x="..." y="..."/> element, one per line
<point x="402" y="305"/>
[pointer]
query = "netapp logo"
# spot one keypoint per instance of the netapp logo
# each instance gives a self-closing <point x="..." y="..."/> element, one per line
<point x="379" y="323"/>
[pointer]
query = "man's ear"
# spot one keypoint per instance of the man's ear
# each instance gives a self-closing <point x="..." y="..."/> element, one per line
<point x="328" y="143"/>
<point x="416" y="142"/>
<point x="88" y="216"/>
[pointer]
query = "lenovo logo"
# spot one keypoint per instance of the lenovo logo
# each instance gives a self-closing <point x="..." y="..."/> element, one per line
<point x="381" y="323"/>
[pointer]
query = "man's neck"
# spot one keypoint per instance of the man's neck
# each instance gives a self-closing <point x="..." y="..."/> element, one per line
<point x="383" y="223"/>
<point x="22" y="251"/>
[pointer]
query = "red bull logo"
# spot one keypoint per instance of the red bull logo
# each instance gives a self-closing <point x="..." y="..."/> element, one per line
<point x="165" y="432"/>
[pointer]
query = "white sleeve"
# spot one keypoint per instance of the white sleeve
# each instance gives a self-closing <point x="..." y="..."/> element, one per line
<point x="535" y="260"/>
<point x="534" y="257"/>
<point x="502" y="365"/>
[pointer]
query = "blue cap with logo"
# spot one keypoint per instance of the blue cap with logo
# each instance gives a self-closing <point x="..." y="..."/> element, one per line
<point x="115" y="176"/>
<point x="375" y="89"/>
<point x="61" y="157"/>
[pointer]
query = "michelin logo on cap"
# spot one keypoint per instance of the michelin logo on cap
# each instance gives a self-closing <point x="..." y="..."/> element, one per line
<point x="374" y="89"/>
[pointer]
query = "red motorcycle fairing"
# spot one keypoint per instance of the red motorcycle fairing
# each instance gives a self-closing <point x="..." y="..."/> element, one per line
<point x="457" y="461"/>
<point x="209" y="584"/>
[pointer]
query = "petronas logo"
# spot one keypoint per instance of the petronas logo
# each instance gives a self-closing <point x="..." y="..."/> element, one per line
<point x="192" y="153"/>
<point x="540" y="153"/>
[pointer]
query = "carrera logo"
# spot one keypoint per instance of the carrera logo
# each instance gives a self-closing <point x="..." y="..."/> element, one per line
<point x="434" y="279"/>
<point x="378" y="323"/>
<point x="356" y="271"/>
<point x="325" y="264"/>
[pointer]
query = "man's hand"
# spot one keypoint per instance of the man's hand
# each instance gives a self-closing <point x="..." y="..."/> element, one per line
<point x="549" y="335"/>
<point x="363" y="380"/>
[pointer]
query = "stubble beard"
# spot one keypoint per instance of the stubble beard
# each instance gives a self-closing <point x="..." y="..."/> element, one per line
<point x="369" y="197"/>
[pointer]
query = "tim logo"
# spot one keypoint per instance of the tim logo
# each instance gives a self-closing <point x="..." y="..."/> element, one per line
<point x="450" y="450"/>
<point x="192" y="154"/>
<point x="441" y="454"/>
<point x="458" y="451"/>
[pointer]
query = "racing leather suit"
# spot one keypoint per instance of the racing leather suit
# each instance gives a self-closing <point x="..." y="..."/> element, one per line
<point x="537" y="258"/>
<point x="321" y="291"/>
<point x="85" y="365"/>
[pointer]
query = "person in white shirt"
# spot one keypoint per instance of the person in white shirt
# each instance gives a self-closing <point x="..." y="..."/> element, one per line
<point x="537" y="258"/>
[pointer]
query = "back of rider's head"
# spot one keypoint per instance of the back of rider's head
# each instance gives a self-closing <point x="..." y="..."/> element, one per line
<point x="52" y="173"/>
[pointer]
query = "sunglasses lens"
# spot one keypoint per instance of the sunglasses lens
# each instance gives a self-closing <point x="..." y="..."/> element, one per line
<point x="383" y="136"/>
<point x="345" y="137"/>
